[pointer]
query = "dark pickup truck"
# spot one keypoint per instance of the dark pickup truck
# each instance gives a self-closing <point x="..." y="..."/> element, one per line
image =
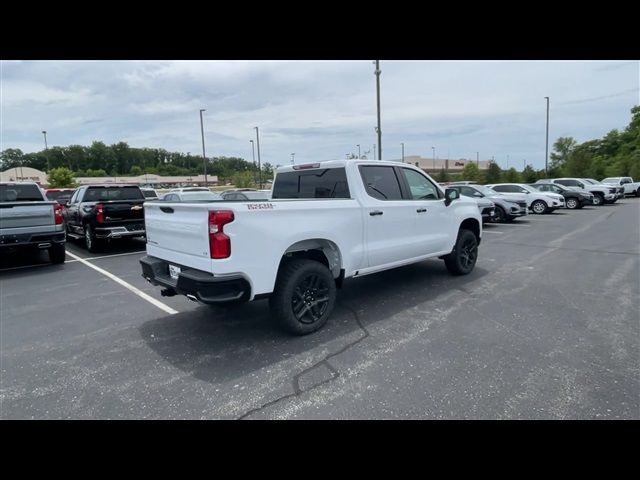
<point x="101" y="213"/>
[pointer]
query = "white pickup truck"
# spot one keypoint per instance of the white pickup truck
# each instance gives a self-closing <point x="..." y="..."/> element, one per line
<point x="630" y="187"/>
<point x="325" y="222"/>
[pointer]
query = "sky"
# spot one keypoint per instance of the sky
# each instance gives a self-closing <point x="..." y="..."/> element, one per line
<point x="319" y="110"/>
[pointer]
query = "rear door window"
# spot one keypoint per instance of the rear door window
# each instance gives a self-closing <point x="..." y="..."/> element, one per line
<point x="381" y="182"/>
<point x="317" y="183"/>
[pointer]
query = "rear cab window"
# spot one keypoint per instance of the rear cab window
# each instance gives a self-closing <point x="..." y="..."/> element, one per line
<point x="20" y="193"/>
<point x="317" y="183"/>
<point x="104" y="194"/>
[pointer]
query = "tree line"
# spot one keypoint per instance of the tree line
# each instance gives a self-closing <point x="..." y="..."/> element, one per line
<point x="100" y="160"/>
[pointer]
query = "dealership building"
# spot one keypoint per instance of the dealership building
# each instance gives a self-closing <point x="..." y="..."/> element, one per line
<point x="28" y="174"/>
<point x="430" y="165"/>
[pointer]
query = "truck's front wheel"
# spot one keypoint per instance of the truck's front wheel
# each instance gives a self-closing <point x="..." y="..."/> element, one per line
<point x="304" y="296"/>
<point x="465" y="254"/>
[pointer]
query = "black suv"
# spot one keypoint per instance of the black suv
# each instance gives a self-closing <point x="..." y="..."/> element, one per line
<point x="572" y="198"/>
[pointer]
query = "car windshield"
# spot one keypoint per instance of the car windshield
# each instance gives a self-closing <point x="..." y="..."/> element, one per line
<point x="149" y="194"/>
<point x="591" y="180"/>
<point x="611" y="180"/>
<point x="60" y="195"/>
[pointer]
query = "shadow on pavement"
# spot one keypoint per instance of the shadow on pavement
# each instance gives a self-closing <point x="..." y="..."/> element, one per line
<point x="219" y="344"/>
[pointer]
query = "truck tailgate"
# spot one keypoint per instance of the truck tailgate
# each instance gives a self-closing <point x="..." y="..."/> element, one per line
<point x="123" y="210"/>
<point x="18" y="215"/>
<point x="180" y="232"/>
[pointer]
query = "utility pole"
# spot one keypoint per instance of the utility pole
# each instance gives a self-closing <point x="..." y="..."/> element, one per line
<point x="546" y="151"/>
<point x="434" y="158"/>
<point x="46" y="149"/>
<point x="293" y="158"/>
<point x="402" y="152"/>
<point x="507" y="161"/>
<point x="379" y="132"/>
<point x="204" y="155"/>
<point x="478" y="159"/>
<point x="259" y="164"/>
<point x="374" y="152"/>
<point x="359" y="156"/>
<point x="253" y="155"/>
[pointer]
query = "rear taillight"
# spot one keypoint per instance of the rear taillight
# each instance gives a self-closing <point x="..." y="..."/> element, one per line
<point x="99" y="213"/>
<point x="219" y="243"/>
<point x="57" y="213"/>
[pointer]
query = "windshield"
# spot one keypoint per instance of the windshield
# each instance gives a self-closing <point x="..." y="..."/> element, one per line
<point x="591" y="181"/>
<point x="60" y="195"/>
<point x="149" y="193"/>
<point x="611" y="180"/>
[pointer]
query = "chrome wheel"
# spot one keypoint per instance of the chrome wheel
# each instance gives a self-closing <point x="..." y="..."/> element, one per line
<point x="572" y="203"/>
<point x="539" y="207"/>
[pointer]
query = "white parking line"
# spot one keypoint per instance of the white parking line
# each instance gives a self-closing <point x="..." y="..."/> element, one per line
<point x="128" y="286"/>
<point x="107" y="256"/>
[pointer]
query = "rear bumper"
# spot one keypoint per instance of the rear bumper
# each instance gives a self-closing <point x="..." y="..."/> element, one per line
<point x="32" y="239"/>
<point x="136" y="230"/>
<point x="196" y="284"/>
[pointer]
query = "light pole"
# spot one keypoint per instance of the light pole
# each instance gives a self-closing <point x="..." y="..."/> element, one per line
<point x="46" y="149"/>
<point x="478" y="159"/>
<point x="546" y="151"/>
<point x="374" y="152"/>
<point x="378" y="131"/>
<point x="507" y="161"/>
<point x="358" y="151"/>
<point x="204" y="155"/>
<point x="253" y="155"/>
<point x="402" y="152"/>
<point x="434" y="158"/>
<point x="293" y="158"/>
<point x="259" y="164"/>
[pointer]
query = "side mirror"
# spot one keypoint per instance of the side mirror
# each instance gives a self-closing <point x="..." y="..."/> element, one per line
<point x="450" y="194"/>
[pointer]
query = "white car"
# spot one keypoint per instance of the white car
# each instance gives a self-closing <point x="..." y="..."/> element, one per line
<point x="537" y="201"/>
<point x="602" y="193"/>
<point x="326" y="222"/>
<point x="630" y="187"/>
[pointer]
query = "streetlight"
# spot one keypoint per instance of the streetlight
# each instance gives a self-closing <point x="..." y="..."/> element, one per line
<point x="293" y="158"/>
<point x="434" y="158"/>
<point x="546" y="151"/>
<point x="259" y="164"/>
<point x="402" y="152"/>
<point x="478" y="159"/>
<point x="358" y="151"/>
<point x="204" y="155"/>
<point x="378" y="130"/>
<point x="507" y="161"/>
<point x="374" y="152"/>
<point x="46" y="148"/>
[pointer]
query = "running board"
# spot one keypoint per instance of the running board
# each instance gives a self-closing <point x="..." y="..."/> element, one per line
<point x="75" y="235"/>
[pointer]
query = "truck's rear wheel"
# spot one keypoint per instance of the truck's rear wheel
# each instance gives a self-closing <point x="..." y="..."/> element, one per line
<point x="465" y="254"/>
<point x="90" y="240"/>
<point x="304" y="296"/>
<point x="57" y="253"/>
<point x="598" y="199"/>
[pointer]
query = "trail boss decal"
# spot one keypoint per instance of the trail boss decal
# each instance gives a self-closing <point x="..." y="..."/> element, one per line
<point x="260" y="206"/>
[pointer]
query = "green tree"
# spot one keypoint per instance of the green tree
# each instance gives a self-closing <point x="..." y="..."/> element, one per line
<point x="562" y="149"/>
<point x="493" y="173"/>
<point x="135" y="171"/>
<point x="529" y="175"/>
<point x="511" y="176"/>
<point x="243" y="180"/>
<point x="443" y="176"/>
<point x="61" y="177"/>
<point x="471" y="172"/>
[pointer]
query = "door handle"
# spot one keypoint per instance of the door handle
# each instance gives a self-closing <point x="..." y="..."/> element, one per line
<point x="375" y="212"/>
<point x="166" y="209"/>
<point x="421" y="210"/>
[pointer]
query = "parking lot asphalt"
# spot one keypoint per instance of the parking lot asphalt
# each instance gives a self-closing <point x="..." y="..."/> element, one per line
<point x="546" y="327"/>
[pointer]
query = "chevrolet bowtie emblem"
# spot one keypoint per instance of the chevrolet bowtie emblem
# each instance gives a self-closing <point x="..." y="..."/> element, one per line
<point x="136" y="207"/>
